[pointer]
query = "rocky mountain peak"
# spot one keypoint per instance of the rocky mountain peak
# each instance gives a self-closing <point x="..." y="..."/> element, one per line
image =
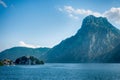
<point x="92" y="21"/>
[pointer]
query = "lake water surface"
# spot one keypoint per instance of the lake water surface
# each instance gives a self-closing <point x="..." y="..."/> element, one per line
<point x="61" y="72"/>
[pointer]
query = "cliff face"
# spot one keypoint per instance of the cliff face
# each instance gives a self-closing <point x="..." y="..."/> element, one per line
<point x="111" y="57"/>
<point x="96" y="37"/>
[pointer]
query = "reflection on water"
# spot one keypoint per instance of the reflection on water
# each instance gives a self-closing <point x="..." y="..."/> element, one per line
<point x="61" y="72"/>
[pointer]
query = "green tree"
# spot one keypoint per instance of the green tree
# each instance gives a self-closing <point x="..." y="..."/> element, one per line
<point x="1" y="64"/>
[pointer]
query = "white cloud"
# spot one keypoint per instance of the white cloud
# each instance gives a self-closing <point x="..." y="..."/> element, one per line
<point x="74" y="13"/>
<point x="3" y="4"/>
<point x="69" y="9"/>
<point x="21" y="43"/>
<point x="112" y="14"/>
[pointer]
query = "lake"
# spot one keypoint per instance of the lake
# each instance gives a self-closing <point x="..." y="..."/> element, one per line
<point x="61" y="72"/>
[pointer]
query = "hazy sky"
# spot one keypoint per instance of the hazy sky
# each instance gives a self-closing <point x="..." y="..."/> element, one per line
<point x="45" y="23"/>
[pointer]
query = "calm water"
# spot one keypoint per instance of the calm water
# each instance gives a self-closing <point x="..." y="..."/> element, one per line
<point x="61" y="72"/>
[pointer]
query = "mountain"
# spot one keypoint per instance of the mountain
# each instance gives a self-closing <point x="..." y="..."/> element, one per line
<point x="96" y="41"/>
<point x="114" y="56"/>
<point x="96" y="37"/>
<point x="16" y="52"/>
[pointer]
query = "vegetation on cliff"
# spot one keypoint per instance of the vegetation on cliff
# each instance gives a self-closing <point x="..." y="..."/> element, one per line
<point x="28" y="60"/>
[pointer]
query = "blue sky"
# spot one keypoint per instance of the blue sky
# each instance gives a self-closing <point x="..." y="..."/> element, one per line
<point x="45" y="23"/>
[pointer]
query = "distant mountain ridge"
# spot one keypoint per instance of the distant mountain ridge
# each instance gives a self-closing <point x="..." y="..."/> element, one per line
<point x="16" y="52"/>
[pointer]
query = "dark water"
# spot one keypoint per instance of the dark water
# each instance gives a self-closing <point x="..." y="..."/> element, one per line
<point x="61" y="72"/>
